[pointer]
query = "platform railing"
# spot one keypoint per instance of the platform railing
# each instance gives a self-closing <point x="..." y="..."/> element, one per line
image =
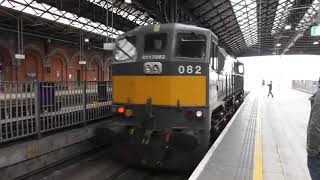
<point x="35" y="108"/>
<point x="309" y="86"/>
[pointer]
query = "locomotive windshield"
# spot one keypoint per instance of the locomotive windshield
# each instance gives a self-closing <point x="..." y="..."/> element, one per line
<point x="191" y="45"/>
<point x="126" y="49"/>
<point x="155" y="42"/>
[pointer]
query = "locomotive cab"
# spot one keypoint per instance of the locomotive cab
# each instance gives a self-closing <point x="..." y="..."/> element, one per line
<point x="170" y="42"/>
<point x="163" y="66"/>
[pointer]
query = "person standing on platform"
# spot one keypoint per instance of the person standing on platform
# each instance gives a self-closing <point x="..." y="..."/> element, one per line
<point x="313" y="136"/>
<point x="270" y="89"/>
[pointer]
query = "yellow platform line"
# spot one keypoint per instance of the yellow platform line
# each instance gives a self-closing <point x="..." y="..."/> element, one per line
<point x="257" y="169"/>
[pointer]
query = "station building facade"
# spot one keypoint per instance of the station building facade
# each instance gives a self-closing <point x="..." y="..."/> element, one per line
<point x="50" y="60"/>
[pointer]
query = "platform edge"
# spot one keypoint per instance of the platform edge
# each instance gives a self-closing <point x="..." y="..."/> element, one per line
<point x="196" y="173"/>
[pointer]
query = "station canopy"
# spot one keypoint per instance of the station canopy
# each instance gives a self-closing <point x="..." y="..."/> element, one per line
<point x="243" y="27"/>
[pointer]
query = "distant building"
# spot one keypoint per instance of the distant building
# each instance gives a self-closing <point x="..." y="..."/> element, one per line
<point x="50" y="61"/>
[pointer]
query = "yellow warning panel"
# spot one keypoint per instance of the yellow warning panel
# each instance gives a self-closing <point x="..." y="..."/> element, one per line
<point x="164" y="90"/>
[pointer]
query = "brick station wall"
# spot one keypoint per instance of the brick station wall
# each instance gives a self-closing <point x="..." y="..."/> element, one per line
<point x="50" y="61"/>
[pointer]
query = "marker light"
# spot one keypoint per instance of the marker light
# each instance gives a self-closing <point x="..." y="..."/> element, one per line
<point x="199" y="114"/>
<point x="121" y="109"/>
<point x="189" y="113"/>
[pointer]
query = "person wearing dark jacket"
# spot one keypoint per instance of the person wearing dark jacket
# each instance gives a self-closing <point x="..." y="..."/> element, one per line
<point x="313" y="137"/>
<point x="270" y="89"/>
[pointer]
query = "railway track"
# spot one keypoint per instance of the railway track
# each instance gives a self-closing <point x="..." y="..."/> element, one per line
<point x="143" y="174"/>
<point x="99" y="165"/>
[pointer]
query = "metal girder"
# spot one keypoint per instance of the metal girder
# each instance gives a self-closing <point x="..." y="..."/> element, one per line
<point x="216" y="16"/>
<point x="200" y="5"/>
<point x="68" y="19"/>
<point x="210" y="10"/>
<point x="80" y="9"/>
<point x="228" y="19"/>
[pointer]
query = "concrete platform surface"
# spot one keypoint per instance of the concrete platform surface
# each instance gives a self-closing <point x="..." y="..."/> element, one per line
<point x="266" y="139"/>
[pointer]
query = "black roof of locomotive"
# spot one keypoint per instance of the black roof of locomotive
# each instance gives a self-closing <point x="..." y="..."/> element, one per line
<point x="171" y="27"/>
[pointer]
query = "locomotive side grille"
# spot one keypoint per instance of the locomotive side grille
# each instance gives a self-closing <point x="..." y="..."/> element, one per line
<point x="164" y="90"/>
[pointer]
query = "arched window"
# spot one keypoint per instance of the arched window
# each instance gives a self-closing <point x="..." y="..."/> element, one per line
<point x="94" y="72"/>
<point x="57" y="69"/>
<point x="31" y="68"/>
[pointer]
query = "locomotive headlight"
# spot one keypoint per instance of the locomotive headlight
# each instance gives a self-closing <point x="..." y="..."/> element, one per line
<point x="147" y="69"/>
<point x="152" y="68"/>
<point x="199" y="114"/>
<point x="156" y="68"/>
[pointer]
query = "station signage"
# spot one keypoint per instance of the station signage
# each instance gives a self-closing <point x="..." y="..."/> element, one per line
<point x="82" y="62"/>
<point x="19" y="56"/>
<point x="108" y="46"/>
<point x="315" y="31"/>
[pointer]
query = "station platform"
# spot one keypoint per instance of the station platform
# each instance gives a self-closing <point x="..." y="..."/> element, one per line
<point x="266" y="139"/>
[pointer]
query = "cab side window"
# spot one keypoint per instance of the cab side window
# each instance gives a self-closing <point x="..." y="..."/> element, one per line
<point x="238" y="67"/>
<point x="220" y="61"/>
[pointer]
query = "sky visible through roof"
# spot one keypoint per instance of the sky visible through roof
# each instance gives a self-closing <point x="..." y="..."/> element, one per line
<point x="48" y="12"/>
<point x="246" y="14"/>
<point x="283" y="10"/>
<point x="138" y="17"/>
<point x="306" y="21"/>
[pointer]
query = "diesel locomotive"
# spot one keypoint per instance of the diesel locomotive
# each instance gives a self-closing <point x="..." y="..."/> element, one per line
<point x="172" y="88"/>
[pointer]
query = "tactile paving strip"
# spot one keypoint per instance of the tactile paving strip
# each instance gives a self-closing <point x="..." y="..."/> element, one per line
<point x="234" y="157"/>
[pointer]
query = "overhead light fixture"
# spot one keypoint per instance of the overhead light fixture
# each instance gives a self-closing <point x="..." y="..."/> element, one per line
<point x="108" y="46"/>
<point x="287" y="27"/>
<point x="86" y="40"/>
<point x="316" y="42"/>
<point x="128" y="1"/>
<point x="278" y="45"/>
